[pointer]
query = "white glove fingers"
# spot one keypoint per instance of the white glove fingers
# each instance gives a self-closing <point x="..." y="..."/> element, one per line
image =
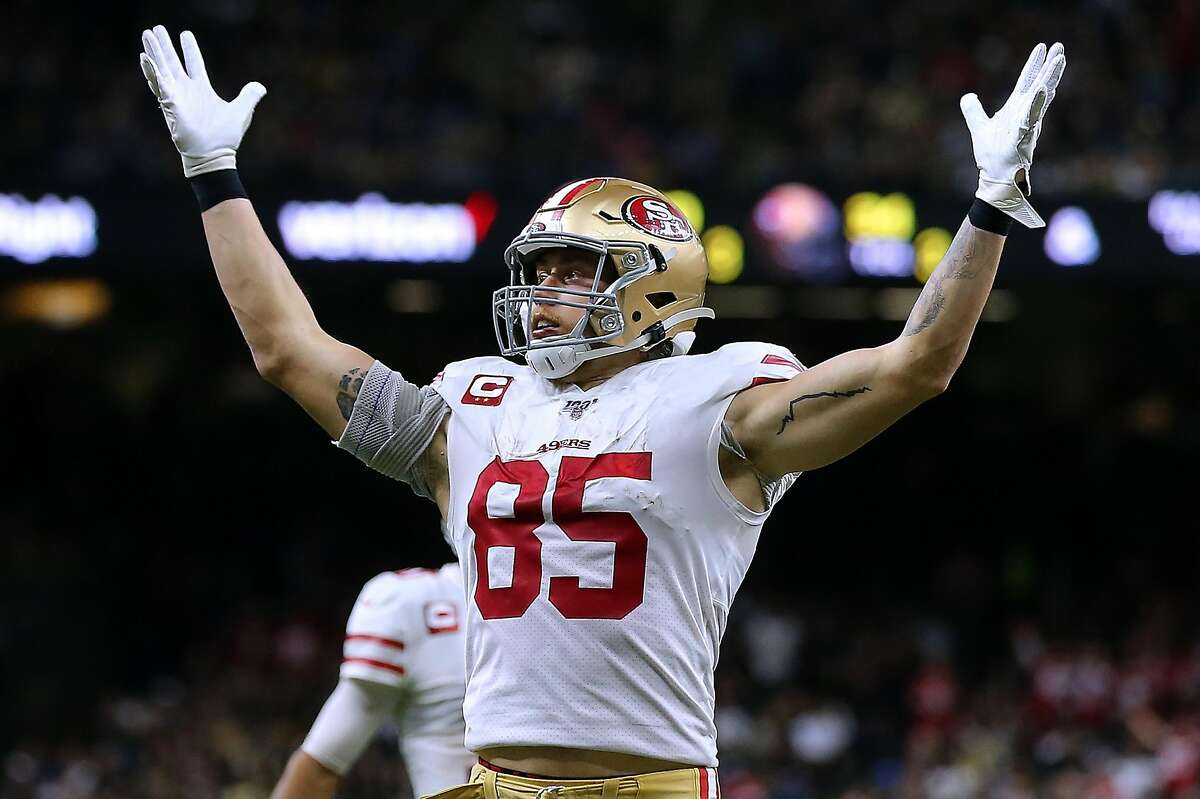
<point x="154" y="51"/>
<point x="1056" y="50"/>
<point x="206" y="130"/>
<point x="973" y="112"/>
<point x="248" y="98"/>
<point x="192" y="58"/>
<point x="151" y="75"/>
<point x="1030" y="71"/>
<point x="1044" y="73"/>
<point x="1053" y="73"/>
<point x="170" y="57"/>
<point x="1004" y="144"/>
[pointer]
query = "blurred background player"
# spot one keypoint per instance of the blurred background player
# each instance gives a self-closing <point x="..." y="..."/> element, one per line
<point x="599" y="681"/>
<point x="403" y="661"/>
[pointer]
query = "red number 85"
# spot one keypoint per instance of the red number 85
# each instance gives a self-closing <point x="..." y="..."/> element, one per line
<point x="619" y="527"/>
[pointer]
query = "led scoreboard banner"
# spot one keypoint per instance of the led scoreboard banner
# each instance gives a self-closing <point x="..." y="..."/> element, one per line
<point x="792" y="233"/>
<point x="373" y="229"/>
<point x="802" y="233"/>
<point x="33" y="231"/>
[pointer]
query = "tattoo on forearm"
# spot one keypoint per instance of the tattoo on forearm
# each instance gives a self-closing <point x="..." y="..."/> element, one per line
<point x="348" y="388"/>
<point x="791" y="416"/>
<point x="959" y="264"/>
<point x="928" y="306"/>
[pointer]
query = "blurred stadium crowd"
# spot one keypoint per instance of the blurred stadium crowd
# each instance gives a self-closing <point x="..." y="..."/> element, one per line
<point x="954" y="612"/>
<point x="459" y="94"/>
<point x="814" y="702"/>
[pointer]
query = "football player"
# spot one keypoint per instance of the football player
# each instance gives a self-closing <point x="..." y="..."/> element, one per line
<point x="402" y="659"/>
<point x="604" y="497"/>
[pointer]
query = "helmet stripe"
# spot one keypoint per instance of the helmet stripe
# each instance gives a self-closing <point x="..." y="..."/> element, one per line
<point x="573" y="192"/>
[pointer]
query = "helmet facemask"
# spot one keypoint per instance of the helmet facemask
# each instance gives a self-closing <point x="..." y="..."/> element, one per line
<point x="601" y="330"/>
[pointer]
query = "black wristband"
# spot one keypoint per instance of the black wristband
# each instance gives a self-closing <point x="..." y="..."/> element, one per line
<point x="988" y="217"/>
<point x="214" y="187"/>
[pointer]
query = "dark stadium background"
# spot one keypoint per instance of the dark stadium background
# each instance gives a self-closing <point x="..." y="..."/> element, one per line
<point x="996" y="598"/>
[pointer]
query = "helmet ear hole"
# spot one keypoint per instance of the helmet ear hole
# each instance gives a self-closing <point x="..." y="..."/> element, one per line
<point x="637" y="316"/>
<point x="660" y="298"/>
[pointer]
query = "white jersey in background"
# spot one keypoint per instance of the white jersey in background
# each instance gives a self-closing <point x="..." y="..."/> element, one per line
<point x="601" y="549"/>
<point x="405" y="634"/>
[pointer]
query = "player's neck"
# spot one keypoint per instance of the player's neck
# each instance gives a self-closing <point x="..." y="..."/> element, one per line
<point x="593" y="373"/>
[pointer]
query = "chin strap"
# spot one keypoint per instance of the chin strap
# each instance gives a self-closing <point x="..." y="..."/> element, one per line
<point x="682" y="342"/>
<point x="555" y="362"/>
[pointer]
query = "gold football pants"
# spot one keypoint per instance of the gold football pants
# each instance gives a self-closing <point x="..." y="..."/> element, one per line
<point x="684" y="783"/>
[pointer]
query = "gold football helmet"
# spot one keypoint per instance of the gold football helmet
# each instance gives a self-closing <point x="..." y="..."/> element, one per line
<point x="657" y="293"/>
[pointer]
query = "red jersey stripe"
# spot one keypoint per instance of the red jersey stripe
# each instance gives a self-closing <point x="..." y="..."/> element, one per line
<point x="777" y="360"/>
<point x="379" y="664"/>
<point x="377" y="639"/>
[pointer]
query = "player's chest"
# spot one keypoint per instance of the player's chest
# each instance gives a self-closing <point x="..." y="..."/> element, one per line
<point x="577" y="423"/>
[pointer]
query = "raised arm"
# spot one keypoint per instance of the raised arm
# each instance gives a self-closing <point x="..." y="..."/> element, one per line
<point x="831" y="410"/>
<point x="289" y="348"/>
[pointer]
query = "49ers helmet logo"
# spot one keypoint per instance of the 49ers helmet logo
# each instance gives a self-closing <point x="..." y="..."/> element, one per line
<point x="656" y="217"/>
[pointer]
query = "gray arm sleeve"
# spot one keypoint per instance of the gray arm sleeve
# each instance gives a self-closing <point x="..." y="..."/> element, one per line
<point x="391" y="426"/>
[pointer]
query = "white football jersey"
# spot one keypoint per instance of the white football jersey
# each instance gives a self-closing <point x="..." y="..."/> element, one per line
<point x="601" y="549"/>
<point x="406" y="631"/>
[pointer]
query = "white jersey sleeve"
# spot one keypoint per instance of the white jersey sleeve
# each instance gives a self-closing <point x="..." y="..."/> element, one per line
<point x="745" y="365"/>
<point x="379" y="633"/>
<point x="348" y="721"/>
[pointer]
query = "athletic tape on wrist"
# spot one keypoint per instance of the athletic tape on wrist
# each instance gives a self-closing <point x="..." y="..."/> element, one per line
<point x="215" y="187"/>
<point x="987" y="217"/>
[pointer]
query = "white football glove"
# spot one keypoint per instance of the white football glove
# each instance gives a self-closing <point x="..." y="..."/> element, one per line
<point x="206" y="129"/>
<point x="1004" y="143"/>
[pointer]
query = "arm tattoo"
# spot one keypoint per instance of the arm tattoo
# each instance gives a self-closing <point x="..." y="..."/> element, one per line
<point x="957" y="266"/>
<point x="929" y="304"/>
<point x="348" y="388"/>
<point x="791" y="416"/>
